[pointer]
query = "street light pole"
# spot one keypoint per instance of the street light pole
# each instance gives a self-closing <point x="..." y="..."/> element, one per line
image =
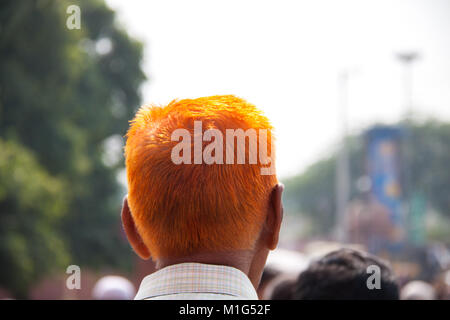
<point x="408" y="59"/>
<point x="342" y="165"/>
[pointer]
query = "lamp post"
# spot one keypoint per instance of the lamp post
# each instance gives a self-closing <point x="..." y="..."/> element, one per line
<point x="342" y="185"/>
<point x="407" y="59"/>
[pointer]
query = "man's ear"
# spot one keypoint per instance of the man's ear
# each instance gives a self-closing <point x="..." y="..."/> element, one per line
<point x="274" y="216"/>
<point x="133" y="236"/>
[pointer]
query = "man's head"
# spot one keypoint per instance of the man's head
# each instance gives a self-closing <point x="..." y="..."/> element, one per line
<point x="182" y="209"/>
<point x="343" y="275"/>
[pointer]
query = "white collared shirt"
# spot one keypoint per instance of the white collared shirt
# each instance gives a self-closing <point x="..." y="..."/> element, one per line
<point x="196" y="281"/>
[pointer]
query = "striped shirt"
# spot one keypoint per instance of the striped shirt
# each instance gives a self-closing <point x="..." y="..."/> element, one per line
<point x="196" y="281"/>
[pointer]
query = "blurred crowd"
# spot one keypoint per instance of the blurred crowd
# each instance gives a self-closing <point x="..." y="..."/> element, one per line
<point x="341" y="274"/>
<point x="333" y="272"/>
<point x="344" y="274"/>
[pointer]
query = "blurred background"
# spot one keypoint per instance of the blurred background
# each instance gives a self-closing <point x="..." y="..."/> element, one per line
<point x="358" y="91"/>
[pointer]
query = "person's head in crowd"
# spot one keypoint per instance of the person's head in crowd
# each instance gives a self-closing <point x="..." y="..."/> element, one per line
<point x="113" y="288"/>
<point x="267" y="276"/>
<point x="443" y="286"/>
<point x="344" y="275"/>
<point x="282" y="287"/>
<point x="418" y="290"/>
<point x="192" y="211"/>
<point x="283" y="290"/>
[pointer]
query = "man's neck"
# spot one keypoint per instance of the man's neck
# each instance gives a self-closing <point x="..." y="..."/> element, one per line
<point x="237" y="259"/>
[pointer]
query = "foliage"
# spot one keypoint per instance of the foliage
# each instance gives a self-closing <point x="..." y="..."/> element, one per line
<point x="31" y="205"/>
<point x="63" y="93"/>
<point x="427" y="158"/>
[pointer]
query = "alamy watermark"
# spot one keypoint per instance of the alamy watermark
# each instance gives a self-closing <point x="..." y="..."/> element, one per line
<point x="74" y="280"/>
<point x="213" y="153"/>
<point x="374" y="280"/>
<point x="74" y="20"/>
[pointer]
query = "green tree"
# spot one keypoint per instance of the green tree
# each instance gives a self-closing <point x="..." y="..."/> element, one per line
<point x="31" y="205"/>
<point x="427" y="154"/>
<point x="63" y="94"/>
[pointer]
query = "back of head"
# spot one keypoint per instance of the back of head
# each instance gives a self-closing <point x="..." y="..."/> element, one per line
<point x="197" y="206"/>
<point x="113" y="288"/>
<point x="282" y="287"/>
<point x="344" y="275"/>
<point x="418" y="290"/>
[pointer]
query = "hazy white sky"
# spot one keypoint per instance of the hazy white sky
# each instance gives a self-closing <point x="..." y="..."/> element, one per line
<point x="285" y="57"/>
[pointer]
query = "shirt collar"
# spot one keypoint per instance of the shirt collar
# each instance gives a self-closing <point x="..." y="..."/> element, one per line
<point x="197" y="278"/>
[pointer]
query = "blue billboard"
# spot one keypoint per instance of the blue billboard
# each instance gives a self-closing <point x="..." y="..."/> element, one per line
<point x="384" y="167"/>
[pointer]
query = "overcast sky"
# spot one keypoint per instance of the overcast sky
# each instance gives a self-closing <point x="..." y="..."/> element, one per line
<point x="285" y="57"/>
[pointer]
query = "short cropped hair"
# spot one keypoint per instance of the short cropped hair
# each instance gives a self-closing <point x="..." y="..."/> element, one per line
<point x="342" y="275"/>
<point x="283" y="290"/>
<point x="180" y="209"/>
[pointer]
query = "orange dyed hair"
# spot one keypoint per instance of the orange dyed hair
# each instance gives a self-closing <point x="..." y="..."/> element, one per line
<point x="188" y="208"/>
